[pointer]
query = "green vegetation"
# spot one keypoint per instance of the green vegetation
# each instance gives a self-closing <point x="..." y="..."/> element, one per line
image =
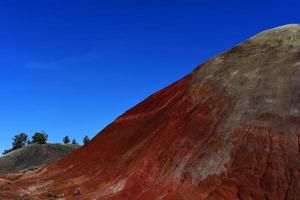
<point x="66" y="140"/>
<point x="41" y="137"/>
<point x="86" y="140"/>
<point x="19" y="141"/>
<point x="74" y="142"/>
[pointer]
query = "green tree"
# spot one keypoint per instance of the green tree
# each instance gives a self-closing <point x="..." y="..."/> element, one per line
<point x="19" y="141"/>
<point x="40" y="138"/>
<point x="66" y="140"/>
<point x="86" y="140"/>
<point x="74" y="141"/>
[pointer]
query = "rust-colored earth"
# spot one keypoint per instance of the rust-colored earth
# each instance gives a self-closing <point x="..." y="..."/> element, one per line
<point x="230" y="130"/>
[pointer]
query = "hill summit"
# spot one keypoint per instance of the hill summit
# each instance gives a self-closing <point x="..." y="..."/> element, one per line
<point x="228" y="130"/>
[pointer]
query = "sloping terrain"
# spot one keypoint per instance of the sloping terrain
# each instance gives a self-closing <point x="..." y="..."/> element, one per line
<point x="229" y="130"/>
<point x="32" y="156"/>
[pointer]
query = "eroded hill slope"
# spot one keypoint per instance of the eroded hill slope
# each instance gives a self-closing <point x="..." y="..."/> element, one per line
<point x="229" y="130"/>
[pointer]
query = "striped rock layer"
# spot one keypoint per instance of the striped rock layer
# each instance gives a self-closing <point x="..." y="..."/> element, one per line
<point x="229" y="130"/>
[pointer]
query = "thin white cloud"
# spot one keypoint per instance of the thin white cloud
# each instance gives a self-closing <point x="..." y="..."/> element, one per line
<point x="64" y="63"/>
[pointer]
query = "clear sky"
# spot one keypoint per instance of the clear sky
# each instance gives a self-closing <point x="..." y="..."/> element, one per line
<point x="71" y="67"/>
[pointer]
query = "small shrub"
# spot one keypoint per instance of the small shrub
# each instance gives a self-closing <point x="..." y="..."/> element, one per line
<point x="40" y="138"/>
<point x="74" y="142"/>
<point x="66" y="140"/>
<point x="86" y="140"/>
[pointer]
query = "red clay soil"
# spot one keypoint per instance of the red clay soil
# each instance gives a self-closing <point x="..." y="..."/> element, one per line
<point x="228" y="131"/>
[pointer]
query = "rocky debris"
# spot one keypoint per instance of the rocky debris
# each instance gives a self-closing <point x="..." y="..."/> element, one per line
<point x="77" y="192"/>
<point x="50" y="195"/>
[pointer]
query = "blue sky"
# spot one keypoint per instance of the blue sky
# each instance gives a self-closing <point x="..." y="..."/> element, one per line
<point x="71" y="67"/>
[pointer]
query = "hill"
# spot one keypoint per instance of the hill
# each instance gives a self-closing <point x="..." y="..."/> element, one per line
<point x="32" y="156"/>
<point x="228" y="130"/>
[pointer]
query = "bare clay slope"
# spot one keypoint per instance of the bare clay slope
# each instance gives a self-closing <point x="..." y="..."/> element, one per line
<point x="32" y="156"/>
<point x="229" y="130"/>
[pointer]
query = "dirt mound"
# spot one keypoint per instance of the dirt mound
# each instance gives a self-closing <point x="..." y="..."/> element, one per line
<point x="228" y="130"/>
<point x="32" y="156"/>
